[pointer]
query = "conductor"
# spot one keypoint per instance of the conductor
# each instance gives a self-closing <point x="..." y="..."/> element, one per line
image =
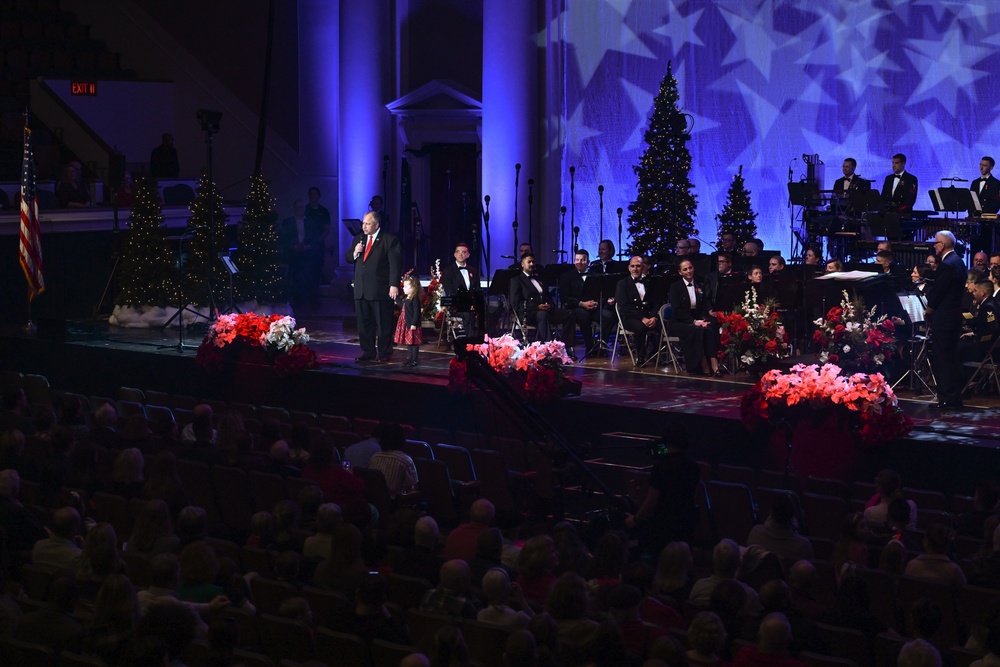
<point x="377" y="257"/>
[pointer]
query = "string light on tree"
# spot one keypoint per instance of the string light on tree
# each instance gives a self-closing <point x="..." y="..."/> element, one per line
<point x="664" y="208"/>
<point x="147" y="275"/>
<point x="737" y="218"/>
<point x="259" y="254"/>
<point x="201" y="267"/>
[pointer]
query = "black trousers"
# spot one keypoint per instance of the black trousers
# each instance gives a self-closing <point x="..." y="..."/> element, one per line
<point x="944" y="360"/>
<point x="375" y="327"/>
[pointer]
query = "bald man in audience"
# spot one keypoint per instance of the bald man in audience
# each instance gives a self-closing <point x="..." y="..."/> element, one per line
<point x="61" y="549"/>
<point x="773" y="640"/>
<point x="454" y="595"/>
<point x="462" y="540"/>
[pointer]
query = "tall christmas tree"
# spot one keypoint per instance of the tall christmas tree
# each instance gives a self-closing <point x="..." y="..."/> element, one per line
<point x="204" y="272"/>
<point x="258" y="256"/>
<point x="148" y="274"/>
<point x="664" y="208"/>
<point x="737" y="218"/>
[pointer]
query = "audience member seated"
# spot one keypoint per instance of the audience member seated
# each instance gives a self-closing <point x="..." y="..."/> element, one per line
<point x="918" y="653"/>
<point x="536" y="566"/>
<point x="651" y="610"/>
<point x="369" y="618"/>
<point x="888" y="487"/>
<point x="971" y="523"/>
<point x="54" y="625"/>
<point x="279" y="461"/>
<point x="851" y="549"/>
<point x="127" y="474"/>
<point x="673" y="580"/>
<point x="99" y="559"/>
<point x="725" y="565"/>
<point x="192" y="525"/>
<point x="497" y="591"/>
<point x="343" y="569"/>
<point x="397" y="467"/>
<point x="116" y="616"/>
<point x="775" y="596"/>
<point x="569" y="604"/>
<point x="992" y="656"/>
<point x="453" y="596"/>
<point x="422" y="560"/>
<point x="261" y="531"/>
<point x="71" y="191"/>
<point x="771" y="650"/>
<point x="779" y="533"/>
<point x="360" y="453"/>
<point x="853" y="610"/>
<point x="934" y="564"/>
<point x="164" y="577"/>
<point x="16" y="413"/>
<point x="610" y="558"/>
<point x="60" y="551"/>
<point x="153" y="532"/>
<point x="169" y="629"/>
<point x="286" y="522"/>
<point x="57" y="468"/>
<point x="12" y="455"/>
<point x="489" y="554"/>
<point x="623" y="602"/>
<point x="572" y="555"/>
<point x="310" y="498"/>
<point x="803" y="581"/>
<point x="200" y="427"/>
<point x="706" y="637"/>
<point x="339" y="486"/>
<point x="163" y="482"/>
<point x="327" y="519"/>
<point x="462" y="540"/>
<point x="199" y="574"/>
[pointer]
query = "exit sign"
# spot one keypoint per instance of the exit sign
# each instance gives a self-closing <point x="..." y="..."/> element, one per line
<point x="83" y="87"/>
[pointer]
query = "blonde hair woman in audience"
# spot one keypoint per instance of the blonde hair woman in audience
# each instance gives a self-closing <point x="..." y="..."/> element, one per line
<point x="706" y="636"/>
<point x="673" y="578"/>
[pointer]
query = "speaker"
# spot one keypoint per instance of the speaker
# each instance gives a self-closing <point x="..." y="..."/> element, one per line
<point x="116" y="170"/>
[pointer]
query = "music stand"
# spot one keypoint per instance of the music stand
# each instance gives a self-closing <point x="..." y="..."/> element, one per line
<point x="952" y="200"/>
<point x="182" y="302"/>
<point x="865" y="201"/>
<point x="600" y="287"/>
<point x="729" y="294"/>
<point x="353" y="225"/>
<point x="885" y="224"/>
<point x="550" y="273"/>
<point x="803" y="193"/>
<point x="500" y="287"/>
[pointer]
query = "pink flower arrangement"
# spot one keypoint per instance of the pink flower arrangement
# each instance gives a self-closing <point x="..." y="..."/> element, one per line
<point x="852" y="336"/>
<point x="252" y="337"/>
<point x="541" y="365"/>
<point x="865" y="401"/>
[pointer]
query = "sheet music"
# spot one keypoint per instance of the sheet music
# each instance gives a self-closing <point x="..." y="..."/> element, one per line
<point x="847" y="275"/>
<point x="913" y="305"/>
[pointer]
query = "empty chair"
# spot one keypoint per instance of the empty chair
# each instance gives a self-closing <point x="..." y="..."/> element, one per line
<point x="324" y="604"/>
<point x="131" y="394"/>
<point x="37" y="389"/>
<point x="285" y="638"/>
<point x="926" y="500"/>
<point x="736" y="475"/>
<point x="266" y="490"/>
<point x="846" y="643"/>
<point x="435" y="435"/>
<point x="472" y="440"/>
<point x="128" y="408"/>
<point x="824" y="515"/>
<point x="405" y="592"/>
<point x="513" y="451"/>
<point x="737" y="515"/>
<point x="495" y="480"/>
<point x="364" y="427"/>
<point x="304" y="417"/>
<point x="827" y="487"/>
<point x="780" y="479"/>
<point x="416" y="449"/>
<point x="339" y="649"/>
<point x="335" y="423"/>
<point x="197" y="479"/>
<point x="387" y="654"/>
<point x="156" y="397"/>
<point x="113" y="509"/>
<point x="268" y="594"/>
<point x="256" y="560"/>
<point x="272" y="412"/>
<point x="457" y="459"/>
<point x="436" y="489"/>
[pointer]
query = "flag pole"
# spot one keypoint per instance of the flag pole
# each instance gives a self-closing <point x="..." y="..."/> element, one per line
<point x="30" y="246"/>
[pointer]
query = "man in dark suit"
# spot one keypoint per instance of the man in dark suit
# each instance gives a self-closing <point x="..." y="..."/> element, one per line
<point x="944" y="317"/>
<point x="530" y="300"/>
<point x="983" y="328"/>
<point x="899" y="190"/>
<point x="300" y="238"/>
<point x="848" y="183"/>
<point x="377" y="258"/>
<point x="987" y="186"/>
<point x="690" y="321"/>
<point x="724" y="272"/>
<point x="460" y="276"/>
<point x="635" y="307"/>
<point x="584" y="312"/>
<point x="605" y="262"/>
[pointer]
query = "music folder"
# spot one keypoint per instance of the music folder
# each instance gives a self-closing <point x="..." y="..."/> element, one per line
<point x="353" y="225"/>
<point x="954" y="199"/>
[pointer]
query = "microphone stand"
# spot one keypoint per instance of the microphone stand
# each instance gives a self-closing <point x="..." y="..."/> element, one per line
<point x="572" y="197"/>
<point x="620" y="251"/>
<point x="531" y="225"/>
<point x="576" y="240"/>
<point x="600" y="194"/>
<point x="486" y="227"/>
<point x="562" y="230"/>
<point x="517" y="180"/>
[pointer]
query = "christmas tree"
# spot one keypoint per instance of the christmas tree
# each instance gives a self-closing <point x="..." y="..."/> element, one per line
<point x="148" y="270"/>
<point x="204" y="272"/>
<point x="737" y="218"/>
<point x="258" y="256"/>
<point x="663" y="211"/>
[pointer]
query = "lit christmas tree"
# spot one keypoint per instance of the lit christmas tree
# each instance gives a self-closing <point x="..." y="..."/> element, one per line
<point x="148" y="266"/>
<point x="204" y="272"/>
<point x="259" y="255"/>
<point x="737" y="218"/>
<point x="664" y="208"/>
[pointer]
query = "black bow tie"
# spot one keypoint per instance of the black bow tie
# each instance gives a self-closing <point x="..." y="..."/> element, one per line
<point x="638" y="281"/>
<point x="463" y="268"/>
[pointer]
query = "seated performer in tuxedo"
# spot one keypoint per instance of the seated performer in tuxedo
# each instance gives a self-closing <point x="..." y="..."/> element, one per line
<point x="530" y="300"/>
<point x="899" y="190"/>
<point x="460" y="276"/>
<point x="848" y="183"/>
<point x="983" y="327"/>
<point x="635" y="307"/>
<point x="521" y="250"/>
<point x="690" y="321"/>
<point x="605" y="262"/>
<point x="987" y="186"/>
<point x="724" y="271"/>
<point x="584" y="312"/>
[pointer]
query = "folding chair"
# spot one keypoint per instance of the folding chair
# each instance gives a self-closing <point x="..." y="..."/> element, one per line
<point x="622" y="334"/>
<point x="519" y="326"/>
<point x="667" y="342"/>
<point x="986" y="370"/>
<point x="446" y="332"/>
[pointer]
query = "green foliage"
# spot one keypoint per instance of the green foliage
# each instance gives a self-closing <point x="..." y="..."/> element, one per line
<point x="663" y="211"/>
<point x="259" y="254"/>
<point x="148" y="273"/>
<point x="203" y="267"/>
<point x="737" y="217"/>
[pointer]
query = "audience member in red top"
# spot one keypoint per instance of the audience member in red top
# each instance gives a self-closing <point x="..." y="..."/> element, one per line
<point x="344" y="568"/>
<point x="339" y="486"/>
<point x="802" y="582"/>
<point x="462" y="541"/>
<point x="772" y="646"/>
<point x="706" y="636"/>
<point x="623" y="603"/>
<point x="651" y="610"/>
<point x="536" y="565"/>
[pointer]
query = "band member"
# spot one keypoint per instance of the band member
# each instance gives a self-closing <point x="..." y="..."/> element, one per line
<point x="987" y="186"/>
<point x="848" y="183"/>
<point x="899" y="191"/>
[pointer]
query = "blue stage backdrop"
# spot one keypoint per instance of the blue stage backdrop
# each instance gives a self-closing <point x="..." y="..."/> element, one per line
<point x="766" y="82"/>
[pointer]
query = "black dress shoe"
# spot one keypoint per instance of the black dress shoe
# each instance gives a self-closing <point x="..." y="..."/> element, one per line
<point x="364" y="357"/>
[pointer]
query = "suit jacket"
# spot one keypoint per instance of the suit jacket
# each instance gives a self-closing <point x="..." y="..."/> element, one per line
<point x="680" y="303"/>
<point x="571" y="288"/>
<point x="373" y="277"/>
<point x="524" y="298"/>
<point x="906" y="193"/>
<point x="989" y="198"/>
<point x="857" y="183"/>
<point x="945" y="293"/>
<point x="452" y="280"/>
<point x="712" y="286"/>
<point x="984" y="324"/>
<point x="611" y="266"/>
<point x="630" y="305"/>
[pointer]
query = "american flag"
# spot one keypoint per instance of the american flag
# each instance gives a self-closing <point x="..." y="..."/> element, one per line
<point x="31" y="240"/>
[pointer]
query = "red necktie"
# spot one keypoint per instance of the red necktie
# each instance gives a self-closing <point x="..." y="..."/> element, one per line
<point x="368" y="249"/>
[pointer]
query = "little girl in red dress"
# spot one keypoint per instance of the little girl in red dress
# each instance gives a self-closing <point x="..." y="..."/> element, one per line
<point x="408" y="327"/>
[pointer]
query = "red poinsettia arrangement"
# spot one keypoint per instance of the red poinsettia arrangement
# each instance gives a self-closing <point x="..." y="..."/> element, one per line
<point x="538" y="370"/>
<point x="253" y="338"/>
<point x="753" y="333"/>
<point x="854" y="337"/>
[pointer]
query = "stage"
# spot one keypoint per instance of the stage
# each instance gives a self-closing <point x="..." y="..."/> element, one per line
<point x="618" y="405"/>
